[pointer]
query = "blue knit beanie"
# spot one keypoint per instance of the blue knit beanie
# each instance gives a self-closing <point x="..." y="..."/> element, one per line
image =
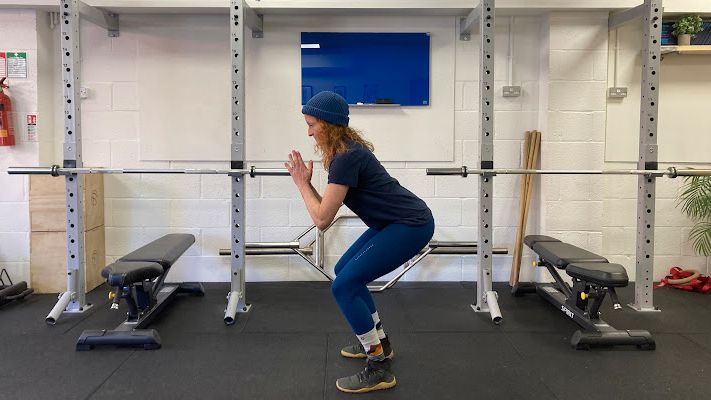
<point x="328" y="106"/>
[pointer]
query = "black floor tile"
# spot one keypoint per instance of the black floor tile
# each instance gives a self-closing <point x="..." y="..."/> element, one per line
<point x="287" y="347"/>
<point x="671" y="371"/>
<point x="43" y="367"/>
<point x="205" y="366"/>
<point x="442" y="309"/>
<point x="445" y="366"/>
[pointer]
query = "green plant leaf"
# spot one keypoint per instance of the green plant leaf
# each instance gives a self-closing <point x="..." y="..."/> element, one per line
<point x="687" y="25"/>
<point x="701" y="237"/>
<point x="695" y="199"/>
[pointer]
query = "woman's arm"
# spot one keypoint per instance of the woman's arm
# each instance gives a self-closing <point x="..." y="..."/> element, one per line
<point x="321" y="209"/>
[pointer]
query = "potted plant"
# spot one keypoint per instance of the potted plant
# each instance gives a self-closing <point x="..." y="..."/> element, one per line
<point x="685" y="27"/>
<point x="695" y="200"/>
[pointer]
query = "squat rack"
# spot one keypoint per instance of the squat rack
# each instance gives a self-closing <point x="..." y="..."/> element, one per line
<point x="73" y="300"/>
<point x="651" y="13"/>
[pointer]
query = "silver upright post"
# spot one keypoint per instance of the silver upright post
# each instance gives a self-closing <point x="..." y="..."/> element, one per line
<point x="71" y="64"/>
<point x="652" y="22"/>
<point x="237" y="298"/>
<point x="485" y="297"/>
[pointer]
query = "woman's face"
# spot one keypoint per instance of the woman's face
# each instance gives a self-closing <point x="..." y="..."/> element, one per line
<point x="315" y="128"/>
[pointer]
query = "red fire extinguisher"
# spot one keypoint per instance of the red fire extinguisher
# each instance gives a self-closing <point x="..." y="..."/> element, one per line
<point x="7" y="134"/>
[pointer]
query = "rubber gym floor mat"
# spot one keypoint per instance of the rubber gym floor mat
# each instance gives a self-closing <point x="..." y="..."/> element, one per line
<point x="199" y="314"/>
<point x="206" y="366"/>
<point x="441" y="309"/>
<point x="676" y="316"/>
<point x="703" y="340"/>
<point x="674" y="370"/>
<point x="43" y="367"/>
<point x="299" y="307"/>
<point x="28" y="316"/>
<point x="296" y="325"/>
<point x="544" y="318"/>
<point x="461" y="365"/>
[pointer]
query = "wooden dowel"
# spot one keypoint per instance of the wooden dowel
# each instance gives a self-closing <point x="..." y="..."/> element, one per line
<point x="516" y="261"/>
<point x="536" y="143"/>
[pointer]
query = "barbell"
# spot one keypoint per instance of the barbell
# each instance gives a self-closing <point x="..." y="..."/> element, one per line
<point x="56" y="170"/>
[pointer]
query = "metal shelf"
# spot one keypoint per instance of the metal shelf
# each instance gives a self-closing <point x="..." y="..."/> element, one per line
<point x="695" y="49"/>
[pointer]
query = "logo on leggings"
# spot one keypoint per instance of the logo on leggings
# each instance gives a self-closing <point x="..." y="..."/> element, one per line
<point x="363" y="252"/>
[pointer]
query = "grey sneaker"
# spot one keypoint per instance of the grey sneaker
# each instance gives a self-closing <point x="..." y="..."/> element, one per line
<point x="356" y="350"/>
<point x="375" y="376"/>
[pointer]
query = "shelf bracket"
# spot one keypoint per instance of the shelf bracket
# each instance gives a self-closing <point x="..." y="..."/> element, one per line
<point x="100" y="17"/>
<point x="254" y="21"/>
<point x="469" y="23"/>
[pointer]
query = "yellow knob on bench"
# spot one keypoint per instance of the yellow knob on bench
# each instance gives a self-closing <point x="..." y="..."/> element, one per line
<point x="112" y="295"/>
<point x="584" y="296"/>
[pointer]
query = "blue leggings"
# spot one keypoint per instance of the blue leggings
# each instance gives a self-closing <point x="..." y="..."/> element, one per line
<point x="373" y="255"/>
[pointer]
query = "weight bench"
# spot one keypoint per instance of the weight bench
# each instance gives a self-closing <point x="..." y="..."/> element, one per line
<point x="139" y="278"/>
<point x="593" y="278"/>
<point x="12" y="291"/>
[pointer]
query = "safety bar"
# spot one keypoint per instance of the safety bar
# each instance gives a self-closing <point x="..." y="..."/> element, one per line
<point x="437" y="247"/>
<point x="265" y="251"/>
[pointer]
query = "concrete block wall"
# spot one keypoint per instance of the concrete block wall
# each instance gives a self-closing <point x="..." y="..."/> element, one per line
<point x="572" y="207"/>
<point x="672" y="246"/>
<point x="18" y="32"/>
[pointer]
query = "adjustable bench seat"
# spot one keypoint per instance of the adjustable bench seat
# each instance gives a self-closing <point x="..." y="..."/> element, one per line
<point x="561" y="254"/>
<point x="149" y="261"/>
<point x="164" y="251"/>
<point x="123" y="273"/>
<point x="577" y="262"/>
<point x="604" y="274"/>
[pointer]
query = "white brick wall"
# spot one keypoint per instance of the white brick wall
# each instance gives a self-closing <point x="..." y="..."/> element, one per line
<point x="18" y="32"/>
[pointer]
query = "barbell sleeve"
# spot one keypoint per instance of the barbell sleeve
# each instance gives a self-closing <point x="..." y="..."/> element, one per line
<point x="448" y="171"/>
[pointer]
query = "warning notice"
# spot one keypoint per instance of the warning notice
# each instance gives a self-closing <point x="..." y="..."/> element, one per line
<point x="16" y="65"/>
<point x="31" y="127"/>
<point x="3" y="65"/>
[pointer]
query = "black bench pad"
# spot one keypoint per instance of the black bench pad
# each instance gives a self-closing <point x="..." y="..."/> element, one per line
<point x="164" y="251"/>
<point x="604" y="274"/>
<point x="124" y="273"/>
<point x="530" y="240"/>
<point x="561" y="254"/>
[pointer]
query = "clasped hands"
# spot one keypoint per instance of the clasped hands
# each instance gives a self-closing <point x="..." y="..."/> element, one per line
<point x="300" y="172"/>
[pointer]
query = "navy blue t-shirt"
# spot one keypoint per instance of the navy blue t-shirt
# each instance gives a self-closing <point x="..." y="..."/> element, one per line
<point x="375" y="196"/>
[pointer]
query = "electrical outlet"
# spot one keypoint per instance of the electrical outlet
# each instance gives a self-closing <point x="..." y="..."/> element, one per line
<point x="83" y="93"/>
<point x="512" y="91"/>
<point x="617" y="92"/>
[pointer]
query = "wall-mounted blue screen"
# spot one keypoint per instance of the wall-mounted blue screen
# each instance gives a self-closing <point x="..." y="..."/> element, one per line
<point x="367" y="68"/>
